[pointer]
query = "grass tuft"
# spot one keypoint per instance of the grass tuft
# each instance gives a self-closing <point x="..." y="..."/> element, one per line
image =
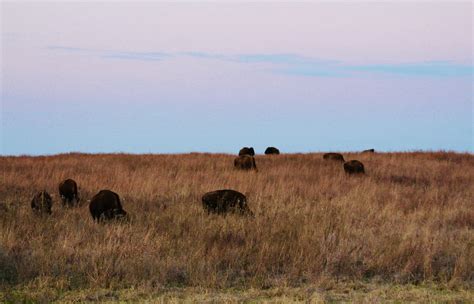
<point x="409" y="220"/>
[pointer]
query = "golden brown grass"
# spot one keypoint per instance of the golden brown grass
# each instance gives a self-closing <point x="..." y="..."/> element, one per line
<point x="409" y="220"/>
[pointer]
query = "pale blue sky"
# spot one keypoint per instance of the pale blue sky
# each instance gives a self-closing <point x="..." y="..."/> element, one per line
<point x="207" y="77"/>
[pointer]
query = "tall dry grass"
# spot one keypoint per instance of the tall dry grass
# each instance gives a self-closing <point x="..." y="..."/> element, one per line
<point x="410" y="219"/>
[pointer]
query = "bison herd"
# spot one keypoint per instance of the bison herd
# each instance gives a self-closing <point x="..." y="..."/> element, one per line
<point x="350" y="167"/>
<point x="106" y="204"/>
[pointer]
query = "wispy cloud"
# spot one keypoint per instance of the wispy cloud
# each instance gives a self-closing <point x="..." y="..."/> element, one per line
<point x="294" y="64"/>
<point x="435" y="68"/>
<point x="112" y="54"/>
<point x="145" y="56"/>
<point x="202" y="55"/>
<point x="314" y="70"/>
<point x="338" y="69"/>
<point x="288" y="64"/>
<point x="282" y="58"/>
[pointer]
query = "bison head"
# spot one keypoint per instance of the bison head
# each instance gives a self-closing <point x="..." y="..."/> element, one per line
<point x="115" y="214"/>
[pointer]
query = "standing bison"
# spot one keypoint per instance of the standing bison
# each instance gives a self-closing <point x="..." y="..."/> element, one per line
<point x="245" y="162"/>
<point x="333" y="156"/>
<point x="42" y="203"/>
<point x="354" y="167"/>
<point x="68" y="192"/>
<point x="272" y="150"/>
<point x="247" y="151"/>
<point x="224" y="201"/>
<point x="106" y="205"/>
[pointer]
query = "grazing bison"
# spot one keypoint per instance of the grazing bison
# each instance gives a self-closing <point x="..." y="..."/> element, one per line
<point x="106" y="205"/>
<point x="354" y="167"/>
<point x="68" y="192"/>
<point x="42" y="202"/>
<point x="369" y="151"/>
<point x="272" y="150"/>
<point x="333" y="156"/>
<point x="245" y="162"/>
<point x="223" y="201"/>
<point x="247" y="151"/>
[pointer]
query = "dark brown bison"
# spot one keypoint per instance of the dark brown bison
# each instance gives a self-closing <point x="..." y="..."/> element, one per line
<point x="42" y="202"/>
<point x="333" y="156"/>
<point x="68" y="192"/>
<point x="247" y="151"/>
<point x="369" y="151"/>
<point x="272" y="150"/>
<point x="106" y="205"/>
<point x="354" y="167"/>
<point x="223" y="201"/>
<point x="245" y="162"/>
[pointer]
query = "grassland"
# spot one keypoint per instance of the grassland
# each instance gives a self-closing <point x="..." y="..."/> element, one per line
<point x="404" y="231"/>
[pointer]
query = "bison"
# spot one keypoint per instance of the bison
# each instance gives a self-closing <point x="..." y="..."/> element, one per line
<point x="272" y="150"/>
<point x="224" y="201"/>
<point x="333" y="156"/>
<point x="247" y="151"/>
<point x="245" y="162"/>
<point x="106" y="205"/>
<point x="42" y="202"/>
<point x="354" y="167"/>
<point x="68" y="192"/>
<point x="369" y="151"/>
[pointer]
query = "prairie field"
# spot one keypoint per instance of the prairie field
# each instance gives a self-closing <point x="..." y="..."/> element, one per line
<point x="407" y="223"/>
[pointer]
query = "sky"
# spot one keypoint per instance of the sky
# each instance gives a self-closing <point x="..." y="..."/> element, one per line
<point x="161" y="77"/>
